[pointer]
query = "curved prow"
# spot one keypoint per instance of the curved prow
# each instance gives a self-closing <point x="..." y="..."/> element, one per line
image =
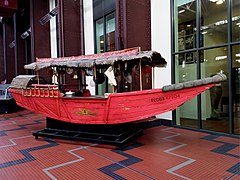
<point x="199" y="82"/>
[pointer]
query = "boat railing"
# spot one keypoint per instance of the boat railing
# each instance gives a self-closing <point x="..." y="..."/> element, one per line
<point x="42" y="90"/>
<point x="4" y="94"/>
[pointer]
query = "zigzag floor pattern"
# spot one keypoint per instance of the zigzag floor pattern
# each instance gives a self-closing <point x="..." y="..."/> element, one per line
<point x="160" y="153"/>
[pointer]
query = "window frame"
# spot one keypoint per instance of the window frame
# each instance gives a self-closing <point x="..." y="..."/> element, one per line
<point x="198" y="49"/>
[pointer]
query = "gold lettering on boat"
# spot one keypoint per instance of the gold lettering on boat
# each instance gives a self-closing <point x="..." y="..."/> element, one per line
<point x="85" y="112"/>
<point x="163" y="98"/>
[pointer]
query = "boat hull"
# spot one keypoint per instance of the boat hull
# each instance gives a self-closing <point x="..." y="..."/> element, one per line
<point x="117" y="108"/>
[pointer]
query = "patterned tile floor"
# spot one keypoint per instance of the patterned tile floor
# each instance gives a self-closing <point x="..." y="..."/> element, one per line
<point x="160" y="153"/>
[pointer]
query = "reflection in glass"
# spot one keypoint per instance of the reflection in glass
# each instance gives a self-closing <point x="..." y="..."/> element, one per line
<point x="236" y="88"/>
<point x="110" y="32"/>
<point x="236" y="20"/>
<point x="100" y="35"/>
<point x="186" y="115"/>
<point x="105" y="41"/>
<point x="185" y="23"/>
<point x="214" y="22"/>
<point x="215" y="101"/>
<point x="213" y="32"/>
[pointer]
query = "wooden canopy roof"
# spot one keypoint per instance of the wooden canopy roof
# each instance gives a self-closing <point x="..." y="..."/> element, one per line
<point x="108" y="58"/>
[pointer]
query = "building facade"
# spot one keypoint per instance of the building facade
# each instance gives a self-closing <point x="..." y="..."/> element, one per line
<point x="198" y="38"/>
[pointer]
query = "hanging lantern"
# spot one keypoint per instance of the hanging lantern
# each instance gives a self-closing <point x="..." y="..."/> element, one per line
<point x="69" y="70"/>
<point x="75" y="76"/>
<point x="147" y="72"/>
<point x="147" y="69"/>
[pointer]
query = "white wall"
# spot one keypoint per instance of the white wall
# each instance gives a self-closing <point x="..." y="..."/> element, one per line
<point x="88" y="26"/>
<point x="161" y="42"/>
<point x="88" y="36"/>
<point x="53" y="31"/>
<point x="53" y="35"/>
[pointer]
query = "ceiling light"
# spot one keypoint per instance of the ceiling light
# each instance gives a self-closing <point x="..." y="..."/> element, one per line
<point x="220" y="1"/>
<point x="235" y="18"/>
<point x="221" y="22"/>
<point x="204" y="27"/>
<point x="213" y="0"/>
<point x="218" y="58"/>
<point x="181" y="11"/>
<point x="204" y="32"/>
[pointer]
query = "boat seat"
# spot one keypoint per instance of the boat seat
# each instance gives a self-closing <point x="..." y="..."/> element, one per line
<point x="83" y="93"/>
<point x="86" y="93"/>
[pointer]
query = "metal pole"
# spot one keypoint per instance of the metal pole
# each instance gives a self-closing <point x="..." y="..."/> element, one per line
<point x="199" y="97"/>
<point x="15" y="47"/>
<point x="32" y="11"/>
<point x="230" y="83"/>
<point x="82" y="28"/>
<point x="4" y="51"/>
<point x="153" y="80"/>
<point x="140" y="65"/>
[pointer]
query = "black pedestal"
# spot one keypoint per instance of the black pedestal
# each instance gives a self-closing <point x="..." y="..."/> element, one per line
<point x="7" y="105"/>
<point x="117" y="134"/>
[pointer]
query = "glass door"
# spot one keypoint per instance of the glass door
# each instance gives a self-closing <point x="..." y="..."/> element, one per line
<point x="105" y="42"/>
<point x="236" y="88"/>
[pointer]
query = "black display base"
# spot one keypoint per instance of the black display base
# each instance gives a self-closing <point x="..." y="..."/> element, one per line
<point x="117" y="135"/>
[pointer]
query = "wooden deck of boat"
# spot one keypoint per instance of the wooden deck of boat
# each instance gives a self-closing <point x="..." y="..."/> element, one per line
<point x="160" y="153"/>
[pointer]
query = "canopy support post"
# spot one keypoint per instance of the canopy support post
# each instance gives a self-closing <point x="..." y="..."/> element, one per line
<point x="153" y="78"/>
<point x="113" y="87"/>
<point x="140" y="74"/>
<point x="37" y="77"/>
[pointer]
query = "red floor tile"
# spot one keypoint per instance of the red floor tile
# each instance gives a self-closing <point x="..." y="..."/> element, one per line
<point x="160" y="153"/>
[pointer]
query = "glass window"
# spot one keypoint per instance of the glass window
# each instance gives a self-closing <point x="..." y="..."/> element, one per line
<point x="185" y="69"/>
<point x="213" y="31"/>
<point x="105" y="42"/>
<point x="185" y="24"/>
<point x="100" y="36"/>
<point x="110" y="32"/>
<point x="214" y="22"/>
<point x="236" y="88"/>
<point x="236" y="20"/>
<point x="215" y="101"/>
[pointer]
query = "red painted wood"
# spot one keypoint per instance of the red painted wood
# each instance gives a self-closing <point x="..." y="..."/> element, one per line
<point x="126" y="107"/>
<point x="117" y="108"/>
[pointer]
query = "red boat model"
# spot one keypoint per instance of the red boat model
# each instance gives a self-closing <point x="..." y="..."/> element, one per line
<point x="115" y="108"/>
